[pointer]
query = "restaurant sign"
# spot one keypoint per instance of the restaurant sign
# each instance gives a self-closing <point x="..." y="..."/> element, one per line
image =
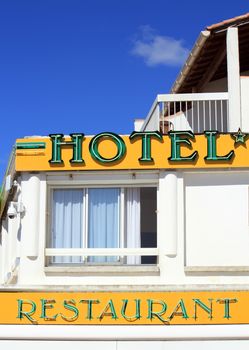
<point x="125" y="308"/>
<point x="140" y="150"/>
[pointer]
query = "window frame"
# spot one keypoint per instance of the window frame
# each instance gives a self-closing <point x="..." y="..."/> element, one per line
<point x="85" y="216"/>
<point x="121" y="181"/>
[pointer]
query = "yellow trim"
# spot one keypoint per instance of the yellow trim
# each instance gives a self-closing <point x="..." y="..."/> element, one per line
<point x="38" y="160"/>
<point x="182" y="307"/>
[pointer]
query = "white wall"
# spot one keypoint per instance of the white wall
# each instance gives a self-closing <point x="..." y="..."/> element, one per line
<point x="202" y="222"/>
<point x="244" y="89"/>
<point x="126" y="345"/>
<point x="219" y="85"/>
<point x="217" y="219"/>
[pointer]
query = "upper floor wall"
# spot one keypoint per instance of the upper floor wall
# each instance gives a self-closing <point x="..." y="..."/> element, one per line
<point x="180" y="228"/>
<point x="218" y="63"/>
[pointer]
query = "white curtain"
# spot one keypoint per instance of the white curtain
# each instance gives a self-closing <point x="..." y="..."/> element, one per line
<point x="133" y="223"/>
<point x="103" y="220"/>
<point x="67" y="222"/>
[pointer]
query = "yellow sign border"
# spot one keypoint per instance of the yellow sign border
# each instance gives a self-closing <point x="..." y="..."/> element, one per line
<point x="125" y="308"/>
<point x="38" y="159"/>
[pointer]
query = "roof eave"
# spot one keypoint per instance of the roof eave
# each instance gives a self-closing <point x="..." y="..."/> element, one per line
<point x="199" y="44"/>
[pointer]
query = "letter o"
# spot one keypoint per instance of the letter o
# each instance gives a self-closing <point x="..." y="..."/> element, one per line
<point x="94" y="145"/>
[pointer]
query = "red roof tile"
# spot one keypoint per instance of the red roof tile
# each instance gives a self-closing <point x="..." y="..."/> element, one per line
<point x="228" y="22"/>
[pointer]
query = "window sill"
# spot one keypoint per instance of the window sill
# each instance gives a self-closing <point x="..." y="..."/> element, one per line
<point x="216" y="269"/>
<point x="103" y="270"/>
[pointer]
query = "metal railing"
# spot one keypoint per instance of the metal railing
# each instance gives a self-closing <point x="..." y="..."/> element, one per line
<point x="197" y="112"/>
<point x="98" y="252"/>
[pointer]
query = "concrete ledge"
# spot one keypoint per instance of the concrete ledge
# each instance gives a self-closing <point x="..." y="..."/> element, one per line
<point x="102" y="270"/>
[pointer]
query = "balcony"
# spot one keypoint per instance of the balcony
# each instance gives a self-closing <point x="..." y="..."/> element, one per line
<point x="196" y="112"/>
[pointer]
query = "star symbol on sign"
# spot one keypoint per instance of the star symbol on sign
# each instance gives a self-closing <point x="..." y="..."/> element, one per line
<point x="239" y="137"/>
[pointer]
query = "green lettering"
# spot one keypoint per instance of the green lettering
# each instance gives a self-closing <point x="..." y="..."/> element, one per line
<point x="70" y="305"/>
<point x="212" y="148"/>
<point x="176" y="142"/>
<point x="152" y="314"/>
<point x="203" y="307"/>
<point x="137" y="313"/>
<point x="89" y="303"/>
<point x="227" y="302"/>
<point x="94" y="147"/>
<point x="182" y="313"/>
<point x="105" y="312"/>
<point x="57" y="143"/>
<point x="27" y="314"/>
<point x="146" y="137"/>
<point x="45" y="305"/>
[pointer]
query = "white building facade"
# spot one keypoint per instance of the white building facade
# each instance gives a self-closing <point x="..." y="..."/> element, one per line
<point x="139" y="240"/>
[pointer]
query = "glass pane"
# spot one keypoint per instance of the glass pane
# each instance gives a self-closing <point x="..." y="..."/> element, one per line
<point x="133" y="223"/>
<point x="148" y="222"/>
<point x="141" y="222"/>
<point x="67" y="222"/>
<point x="103" y="220"/>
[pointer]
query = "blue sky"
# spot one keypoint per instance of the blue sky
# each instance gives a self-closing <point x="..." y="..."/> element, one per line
<point x="92" y="65"/>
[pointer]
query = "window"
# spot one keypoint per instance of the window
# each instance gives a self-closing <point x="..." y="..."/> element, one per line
<point x="86" y="220"/>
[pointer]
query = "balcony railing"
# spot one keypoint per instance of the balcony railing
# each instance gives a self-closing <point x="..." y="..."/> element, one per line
<point x="196" y="112"/>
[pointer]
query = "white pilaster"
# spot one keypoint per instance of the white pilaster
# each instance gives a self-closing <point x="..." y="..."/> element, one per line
<point x="233" y="79"/>
<point x="170" y="214"/>
<point x="3" y="251"/>
<point x="30" y="222"/>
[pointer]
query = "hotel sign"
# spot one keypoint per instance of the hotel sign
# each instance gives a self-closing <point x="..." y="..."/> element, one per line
<point x="140" y="150"/>
<point x="125" y="308"/>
